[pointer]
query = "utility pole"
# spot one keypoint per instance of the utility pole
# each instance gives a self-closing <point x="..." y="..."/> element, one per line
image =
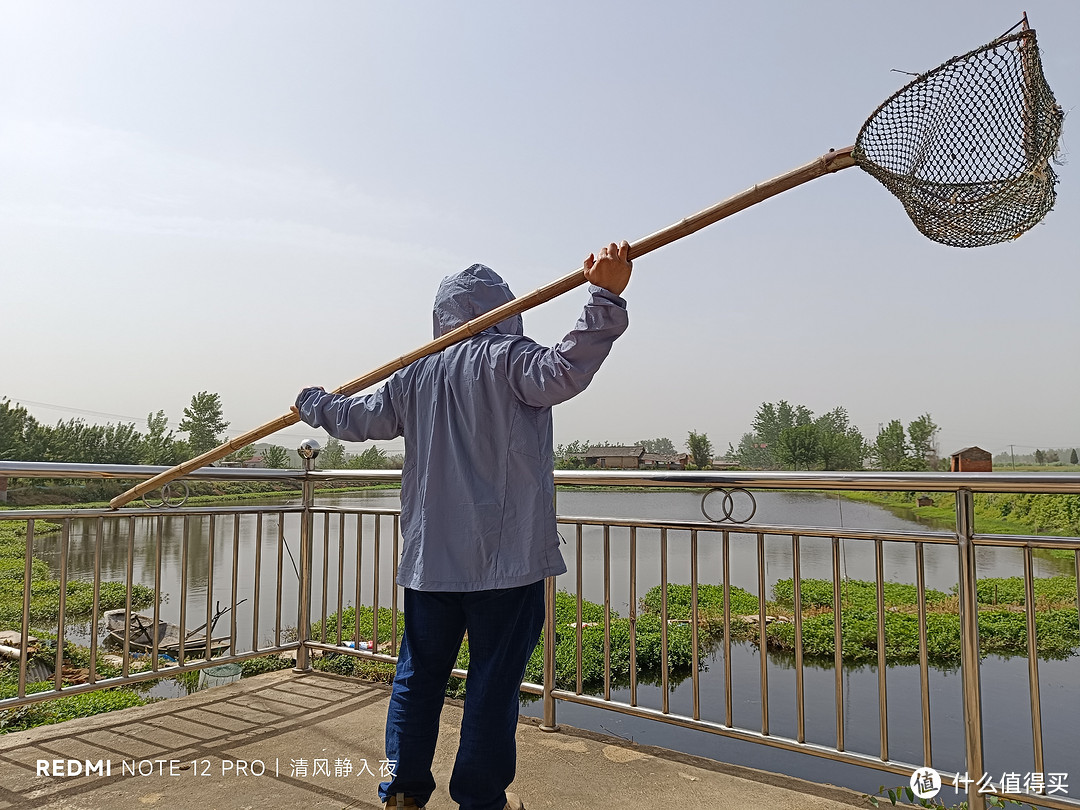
<point x="1011" y="453"/>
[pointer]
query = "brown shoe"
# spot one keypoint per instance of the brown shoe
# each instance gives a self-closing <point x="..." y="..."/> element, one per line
<point x="401" y="800"/>
<point x="513" y="802"/>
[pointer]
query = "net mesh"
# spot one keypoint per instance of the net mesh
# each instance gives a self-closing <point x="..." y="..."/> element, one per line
<point x="968" y="146"/>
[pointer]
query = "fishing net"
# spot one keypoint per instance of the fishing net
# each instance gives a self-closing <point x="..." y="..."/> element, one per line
<point x="967" y="147"/>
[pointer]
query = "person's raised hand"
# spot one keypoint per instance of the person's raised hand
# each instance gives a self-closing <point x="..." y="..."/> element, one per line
<point x="611" y="270"/>
<point x="296" y="410"/>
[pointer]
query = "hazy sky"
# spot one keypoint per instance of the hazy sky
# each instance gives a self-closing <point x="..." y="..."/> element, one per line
<point x="250" y="197"/>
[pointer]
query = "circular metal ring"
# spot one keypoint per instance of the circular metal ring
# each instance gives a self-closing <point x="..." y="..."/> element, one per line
<point x="728" y="505"/>
<point x="171" y="496"/>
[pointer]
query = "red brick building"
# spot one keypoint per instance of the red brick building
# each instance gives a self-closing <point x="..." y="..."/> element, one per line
<point x="971" y="459"/>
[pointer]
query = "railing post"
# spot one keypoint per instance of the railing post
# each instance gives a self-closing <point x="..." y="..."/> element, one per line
<point x="969" y="646"/>
<point x="309" y="451"/>
<point x="549" y="723"/>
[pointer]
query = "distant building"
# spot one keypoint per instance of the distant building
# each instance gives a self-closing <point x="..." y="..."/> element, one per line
<point x="663" y="461"/>
<point x="971" y="459"/>
<point x="615" y="458"/>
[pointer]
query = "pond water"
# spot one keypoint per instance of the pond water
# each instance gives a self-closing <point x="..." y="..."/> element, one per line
<point x="1004" y="682"/>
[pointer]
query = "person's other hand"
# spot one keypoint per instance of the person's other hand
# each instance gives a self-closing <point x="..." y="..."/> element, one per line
<point x="612" y="269"/>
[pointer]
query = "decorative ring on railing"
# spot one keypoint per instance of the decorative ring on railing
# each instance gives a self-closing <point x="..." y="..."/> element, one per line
<point x="728" y="504"/>
<point x="173" y="495"/>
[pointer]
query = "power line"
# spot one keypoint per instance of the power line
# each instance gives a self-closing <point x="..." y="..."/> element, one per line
<point x="69" y="409"/>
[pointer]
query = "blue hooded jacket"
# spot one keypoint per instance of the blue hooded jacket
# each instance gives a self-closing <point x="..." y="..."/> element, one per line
<point x="477" y="490"/>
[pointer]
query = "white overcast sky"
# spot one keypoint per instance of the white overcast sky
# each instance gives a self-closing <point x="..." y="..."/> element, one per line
<point x="250" y="197"/>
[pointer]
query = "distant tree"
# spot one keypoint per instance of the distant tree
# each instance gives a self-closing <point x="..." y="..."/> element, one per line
<point x="275" y="457"/>
<point x="17" y="428"/>
<point x="332" y="456"/>
<point x="570" y="456"/>
<point x="76" y="441"/>
<point x="120" y="444"/>
<point x="700" y="449"/>
<point x="770" y="420"/>
<point x="768" y="423"/>
<point x="662" y="446"/>
<point x="799" y="446"/>
<point x="921" y="433"/>
<point x="1072" y="457"/>
<point x="790" y="436"/>
<point x="841" y="445"/>
<point x="1039" y="457"/>
<point x="890" y="450"/>
<point x="159" y="446"/>
<point x="371" y="459"/>
<point x="66" y="441"/>
<point x="204" y="423"/>
<point x="241" y="456"/>
<point x="752" y="453"/>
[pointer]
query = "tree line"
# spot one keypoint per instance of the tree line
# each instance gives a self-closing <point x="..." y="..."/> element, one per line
<point x="75" y="441"/>
<point x="784" y="436"/>
<point x="24" y="438"/>
<point x="1040" y="457"/>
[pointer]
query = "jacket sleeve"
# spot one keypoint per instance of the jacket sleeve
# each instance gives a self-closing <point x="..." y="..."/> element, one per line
<point x="541" y="376"/>
<point x="351" y="419"/>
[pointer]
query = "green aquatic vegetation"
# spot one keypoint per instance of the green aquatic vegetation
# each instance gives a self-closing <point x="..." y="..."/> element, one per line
<point x="45" y="590"/>
<point x="853" y="593"/>
<point x="710" y="601"/>
<point x="1010" y="591"/>
<point x="1002" y="621"/>
<point x="67" y="708"/>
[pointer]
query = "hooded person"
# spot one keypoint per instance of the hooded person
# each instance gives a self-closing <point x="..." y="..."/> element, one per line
<point x="478" y="525"/>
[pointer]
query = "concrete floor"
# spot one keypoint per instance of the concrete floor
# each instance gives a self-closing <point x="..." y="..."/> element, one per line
<point x="304" y="741"/>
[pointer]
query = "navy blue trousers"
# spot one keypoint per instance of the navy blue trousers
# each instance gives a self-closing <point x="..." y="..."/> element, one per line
<point x="503" y="628"/>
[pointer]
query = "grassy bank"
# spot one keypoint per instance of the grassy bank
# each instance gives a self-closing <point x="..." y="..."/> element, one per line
<point x="995" y="512"/>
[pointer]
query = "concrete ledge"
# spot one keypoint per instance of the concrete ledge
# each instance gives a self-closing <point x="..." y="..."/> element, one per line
<point x="316" y="741"/>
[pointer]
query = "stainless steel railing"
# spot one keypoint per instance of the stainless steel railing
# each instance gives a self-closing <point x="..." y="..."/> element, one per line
<point x="366" y="561"/>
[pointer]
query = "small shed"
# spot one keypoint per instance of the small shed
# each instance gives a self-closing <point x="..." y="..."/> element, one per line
<point x="971" y="459"/>
<point x="615" y="458"/>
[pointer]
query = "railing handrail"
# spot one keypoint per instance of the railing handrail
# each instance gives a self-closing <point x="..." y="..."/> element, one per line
<point x="962" y="535"/>
<point x="1041" y="482"/>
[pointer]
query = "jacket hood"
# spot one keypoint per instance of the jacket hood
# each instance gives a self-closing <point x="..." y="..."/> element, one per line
<point x="469" y="294"/>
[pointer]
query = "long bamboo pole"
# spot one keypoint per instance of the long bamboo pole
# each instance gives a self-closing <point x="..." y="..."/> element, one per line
<point x="832" y="161"/>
